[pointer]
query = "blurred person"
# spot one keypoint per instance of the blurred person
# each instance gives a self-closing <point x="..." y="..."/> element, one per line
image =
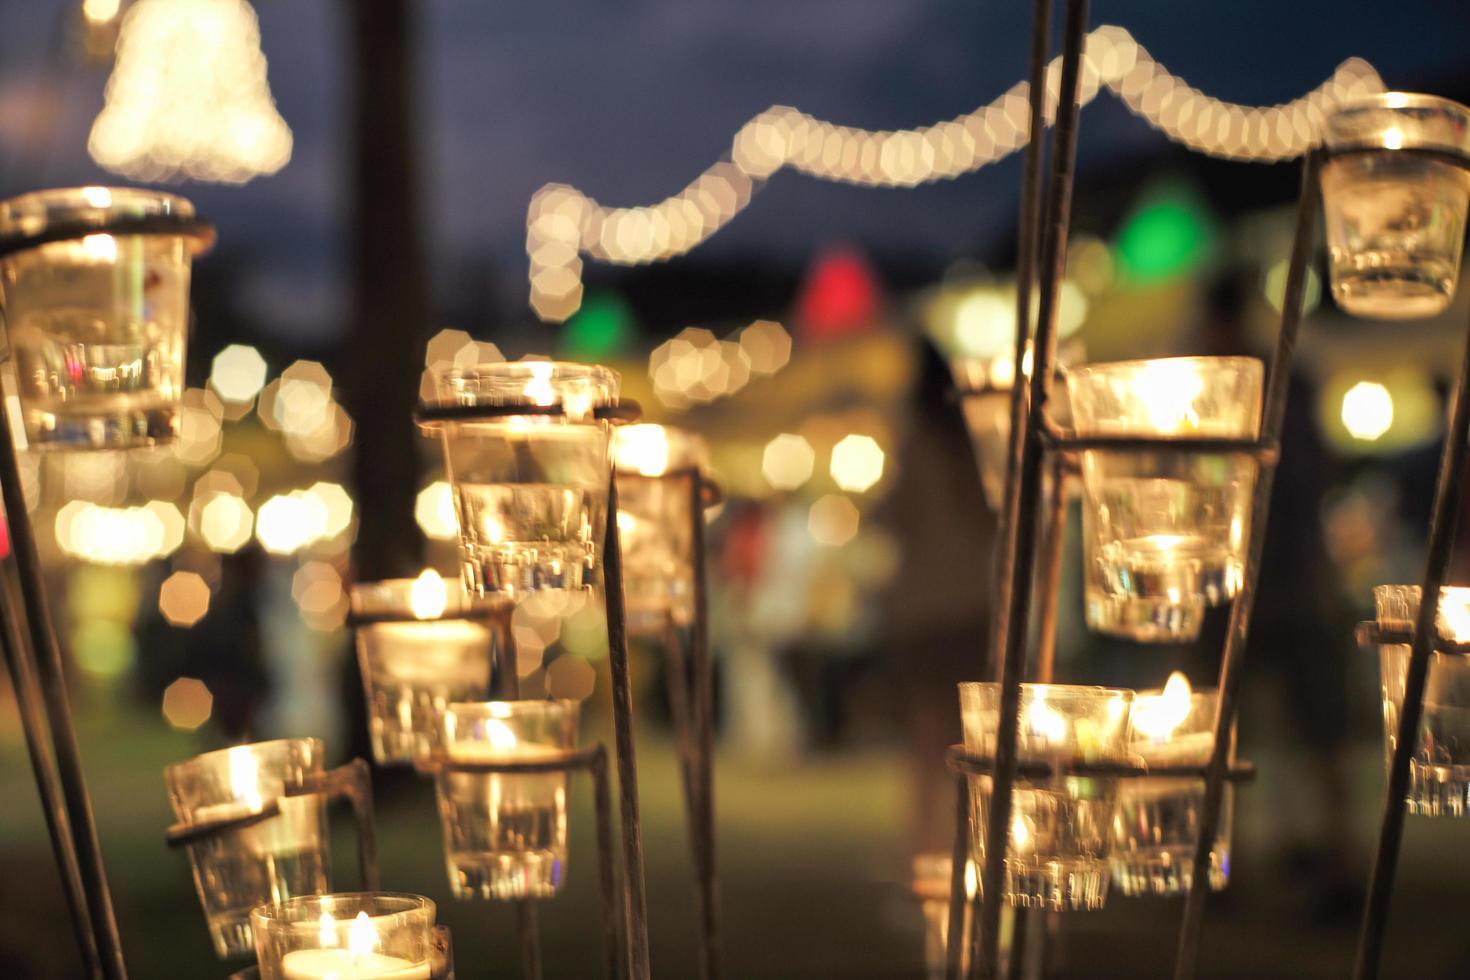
<point x="936" y="618"/>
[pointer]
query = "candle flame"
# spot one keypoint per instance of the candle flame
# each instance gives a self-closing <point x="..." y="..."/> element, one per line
<point x="1044" y="721"/>
<point x="327" y="927"/>
<point x="1155" y="716"/>
<point x="429" y="597"/>
<point x="500" y="736"/>
<point x="644" y="448"/>
<point x="97" y="197"/>
<point x="245" y="777"/>
<point x="538" y="390"/>
<point x="103" y="248"/>
<point x="1393" y="138"/>
<point x="1454" y="613"/>
<point x="1020" y="834"/>
<point x="1168" y="389"/>
<point x="362" y="936"/>
<point x="972" y="879"/>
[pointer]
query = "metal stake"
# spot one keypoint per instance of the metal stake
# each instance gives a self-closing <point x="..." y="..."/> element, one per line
<point x="1023" y="547"/>
<point x="636" y="910"/>
<point x="528" y="935"/>
<point x="33" y="721"/>
<point x="702" y="705"/>
<point x="48" y="670"/>
<point x="1233" y="658"/>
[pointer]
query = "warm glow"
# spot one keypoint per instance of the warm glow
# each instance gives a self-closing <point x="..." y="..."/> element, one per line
<point x="1167" y="390"/>
<point x="183" y="598"/>
<point x="237" y="374"/>
<point x="1454" y="613"/>
<point x="857" y="463"/>
<point x="362" y="936"/>
<point x="644" y="448"/>
<point x="97" y="197"/>
<point x="433" y="510"/>
<point x="833" y="520"/>
<point x="538" y="390"/>
<point x="1367" y="410"/>
<point x="1156" y="716"/>
<point x="188" y="95"/>
<point x="429" y="596"/>
<point x="787" y="461"/>
<point x="500" y="736"/>
<point x="1044" y="721"/>
<point x="187" y="704"/>
<point x="1393" y="138"/>
<point x="224" y="522"/>
<point x="100" y="248"/>
<point x="245" y="777"/>
<point x="327" y="930"/>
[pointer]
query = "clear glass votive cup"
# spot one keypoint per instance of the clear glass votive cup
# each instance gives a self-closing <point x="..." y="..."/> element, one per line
<point x="1164" y="532"/>
<point x="1061" y="825"/>
<point x="413" y="666"/>
<point x="931" y="887"/>
<point x="384" y="935"/>
<point x="1395" y="220"/>
<point x="281" y="857"/>
<point x="96" y="325"/>
<point x="984" y="386"/>
<point x="655" y="527"/>
<point x="505" y="834"/>
<point x="1439" y="771"/>
<point x="1156" y="826"/>
<point x="530" y="489"/>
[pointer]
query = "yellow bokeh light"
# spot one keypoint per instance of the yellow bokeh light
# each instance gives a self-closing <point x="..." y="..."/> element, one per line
<point x="768" y="346"/>
<point x="787" y="461"/>
<point x="100" y="12"/>
<point x="433" y="509"/>
<point x="183" y="598"/>
<point x="187" y="704"/>
<point x="570" y="677"/>
<point x="224" y="521"/>
<point x="1367" y="410"/>
<point x="286" y="523"/>
<point x="857" y="463"/>
<point x="833" y="520"/>
<point x="118" y="535"/>
<point x="317" y="589"/>
<point x="642" y="448"/>
<point x="188" y="95"/>
<point x="237" y="374"/>
<point x="337" y="503"/>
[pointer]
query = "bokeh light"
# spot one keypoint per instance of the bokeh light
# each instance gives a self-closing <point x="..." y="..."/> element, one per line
<point x="433" y="510"/>
<point x="183" y="598"/>
<point x="1367" y="410"/>
<point x="833" y="520"/>
<point x="237" y="374"/>
<point x="857" y="463"/>
<point x="187" y="704"/>
<point x="787" y="461"/>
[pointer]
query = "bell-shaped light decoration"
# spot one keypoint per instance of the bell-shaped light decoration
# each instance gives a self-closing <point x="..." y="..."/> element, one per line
<point x="188" y="97"/>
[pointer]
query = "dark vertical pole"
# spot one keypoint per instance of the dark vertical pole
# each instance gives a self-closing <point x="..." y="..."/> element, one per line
<point x="606" y="877"/>
<point x="1233" y="659"/>
<point x="958" y="898"/>
<point x="636" y="912"/>
<point x="1447" y="502"/>
<point x="676" y="669"/>
<point x="528" y="936"/>
<point x="1026" y="239"/>
<point x="48" y="784"/>
<point x="48" y="671"/>
<point x="389" y="312"/>
<point x="1023" y="546"/>
<point x="702" y="712"/>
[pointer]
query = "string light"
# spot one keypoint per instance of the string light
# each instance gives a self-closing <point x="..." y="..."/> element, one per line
<point x="562" y="223"/>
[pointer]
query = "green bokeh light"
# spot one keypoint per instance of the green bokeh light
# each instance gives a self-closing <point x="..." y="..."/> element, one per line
<point x="601" y="328"/>
<point x="1169" y="234"/>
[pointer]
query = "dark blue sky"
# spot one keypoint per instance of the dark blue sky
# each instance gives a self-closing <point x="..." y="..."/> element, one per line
<point x="629" y="99"/>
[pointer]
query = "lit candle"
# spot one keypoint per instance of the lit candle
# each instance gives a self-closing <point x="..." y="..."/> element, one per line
<point x="1157" y="719"/>
<point x="359" y="961"/>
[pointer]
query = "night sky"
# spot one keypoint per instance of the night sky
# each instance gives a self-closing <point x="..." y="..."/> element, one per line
<point x="629" y="100"/>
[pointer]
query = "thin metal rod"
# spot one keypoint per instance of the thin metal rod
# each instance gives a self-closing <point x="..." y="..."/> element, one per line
<point x="528" y="937"/>
<point x="954" y="955"/>
<point x="676" y="670"/>
<point x="636" y="910"/>
<point x="1049" y="581"/>
<point x="606" y="874"/>
<point x="1233" y="659"/>
<point x="1026" y="239"/>
<point x="1058" y="214"/>
<point x="47" y="653"/>
<point x="702" y="704"/>
<point x="1447" y="503"/>
<point x="43" y="766"/>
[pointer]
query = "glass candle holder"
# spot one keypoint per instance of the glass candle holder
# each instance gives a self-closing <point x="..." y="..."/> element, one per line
<point x="931" y="887"/>
<point x="420" y="648"/>
<point x="1395" y="221"/>
<point x="1164" y="532"/>
<point x="655" y="525"/>
<point x="275" y="859"/>
<point x="505" y="834"/>
<point x="984" y="384"/>
<point x="351" y="936"/>
<point x="1060" y="833"/>
<point x="96" y="325"/>
<point x="1156" y="826"/>
<point x="530" y="489"/>
<point x="1439" y="772"/>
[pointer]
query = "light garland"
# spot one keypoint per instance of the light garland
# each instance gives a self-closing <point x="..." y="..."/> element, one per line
<point x="563" y="223"/>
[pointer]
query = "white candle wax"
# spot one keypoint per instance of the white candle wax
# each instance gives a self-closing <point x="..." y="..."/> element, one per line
<point x="490" y="752"/>
<point x="341" y="964"/>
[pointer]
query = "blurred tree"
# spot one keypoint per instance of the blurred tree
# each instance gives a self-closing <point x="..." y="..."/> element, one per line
<point x="389" y="305"/>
